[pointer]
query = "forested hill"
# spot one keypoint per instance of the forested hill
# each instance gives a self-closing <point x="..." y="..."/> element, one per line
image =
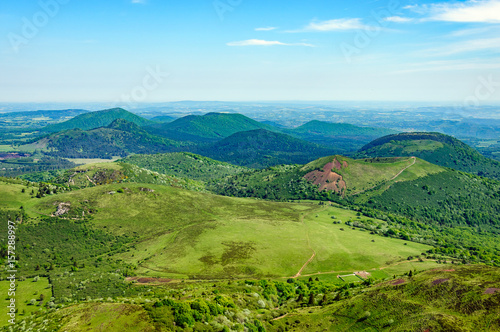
<point x="208" y="127"/>
<point x="184" y="165"/>
<point x="97" y="119"/>
<point x="262" y="148"/>
<point x="343" y="137"/>
<point x="316" y="127"/>
<point x="120" y="138"/>
<point x="435" y="148"/>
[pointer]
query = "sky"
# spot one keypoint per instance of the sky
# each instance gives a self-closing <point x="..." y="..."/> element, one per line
<point x="249" y="50"/>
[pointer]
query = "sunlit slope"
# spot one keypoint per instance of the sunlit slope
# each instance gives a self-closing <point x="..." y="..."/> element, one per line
<point x="436" y="148"/>
<point x="180" y="233"/>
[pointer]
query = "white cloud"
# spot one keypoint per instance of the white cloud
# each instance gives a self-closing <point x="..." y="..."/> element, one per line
<point x="266" y="29"/>
<point x="485" y="44"/>
<point x="450" y="65"/>
<point x="337" y="24"/>
<point x="398" y="19"/>
<point x="138" y="1"/>
<point x="259" y="42"/>
<point x="484" y="11"/>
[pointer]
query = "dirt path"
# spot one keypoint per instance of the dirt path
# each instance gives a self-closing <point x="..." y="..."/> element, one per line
<point x="380" y="268"/>
<point x="90" y="180"/>
<point x="393" y="178"/>
<point x="304" y="266"/>
<point x="302" y="217"/>
<point x="404" y="169"/>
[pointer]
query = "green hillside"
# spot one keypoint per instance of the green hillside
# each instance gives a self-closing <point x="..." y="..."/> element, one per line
<point x="262" y="148"/>
<point x="163" y="118"/>
<point x="342" y="137"/>
<point x="209" y="127"/>
<point x="453" y="299"/>
<point x="327" y="177"/>
<point x="184" y="165"/>
<point x="156" y="230"/>
<point x="97" y="119"/>
<point x="436" y="148"/>
<point x="330" y="129"/>
<point x="417" y="200"/>
<point x="120" y="138"/>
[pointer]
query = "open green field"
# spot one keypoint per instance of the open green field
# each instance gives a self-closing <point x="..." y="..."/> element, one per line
<point x="6" y="148"/>
<point x="13" y="197"/>
<point x="183" y="234"/>
<point x="26" y="291"/>
<point x="86" y="161"/>
<point x="338" y="247"/>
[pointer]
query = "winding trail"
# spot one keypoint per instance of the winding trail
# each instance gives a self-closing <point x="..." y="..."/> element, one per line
<point x="304" y="266"/>
<point x="302" y="217"/>
<point x="393" y="178"/>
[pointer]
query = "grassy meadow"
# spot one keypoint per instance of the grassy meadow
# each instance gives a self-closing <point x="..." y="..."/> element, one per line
<point x="184" y="234"/>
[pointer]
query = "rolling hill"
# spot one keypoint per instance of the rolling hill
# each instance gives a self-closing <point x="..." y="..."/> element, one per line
<point x="262" y="148"/>
<point x="120" y="138"/>
<point x="343" y="137"/>
<point x="436" y="148"/>
<point x="93" y="120"/>
<point x="206" y="128"/>
<point x="184" y="165"/>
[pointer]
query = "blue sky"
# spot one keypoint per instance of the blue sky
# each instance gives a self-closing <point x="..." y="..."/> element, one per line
<point x="157" y="50"/>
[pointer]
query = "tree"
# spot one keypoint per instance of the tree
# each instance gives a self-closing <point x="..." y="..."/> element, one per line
<point x="311" y="299"/>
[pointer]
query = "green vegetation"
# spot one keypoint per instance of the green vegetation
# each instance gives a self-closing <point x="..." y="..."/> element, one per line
<point x="120" y="138"/>
<point x="343" y="137"/>
<point x="262" y="148"/>
<point x="184" y="165"/>
<point x="449" y="298"/>
<point x="435" y="148"/>
<point x="209" y="127"/>
<point x="32" y="163"/>
<point x="27" y="290"/>
<point x="93" y="120"/>
<point x="457" y="299"/>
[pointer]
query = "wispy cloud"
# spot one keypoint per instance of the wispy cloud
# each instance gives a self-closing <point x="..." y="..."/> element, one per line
<point x="138" y="1"/>
<point x="259" y="42"/>
<point x="484" y="44"/>
<point x="266" y="29"/>
<point x="485" y="11"/>
<point x="398" y="19"/>
<point x="336" y="25"/>
<point x="450" y="65"/>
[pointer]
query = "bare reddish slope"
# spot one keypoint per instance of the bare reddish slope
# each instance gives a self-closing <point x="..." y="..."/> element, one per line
<point x="327" y="179"/>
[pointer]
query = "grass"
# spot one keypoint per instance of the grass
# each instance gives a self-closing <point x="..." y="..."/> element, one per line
<point x="13" y="198"/>
<point x="6" y="148"/>
<point x="25" y="292"/>
<point x="112" y="317"/>
<point x="183" y="234"/>
<point x="443" y="299"/>
<point x="86" y="161"/>
<point x="341" y="248"/>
